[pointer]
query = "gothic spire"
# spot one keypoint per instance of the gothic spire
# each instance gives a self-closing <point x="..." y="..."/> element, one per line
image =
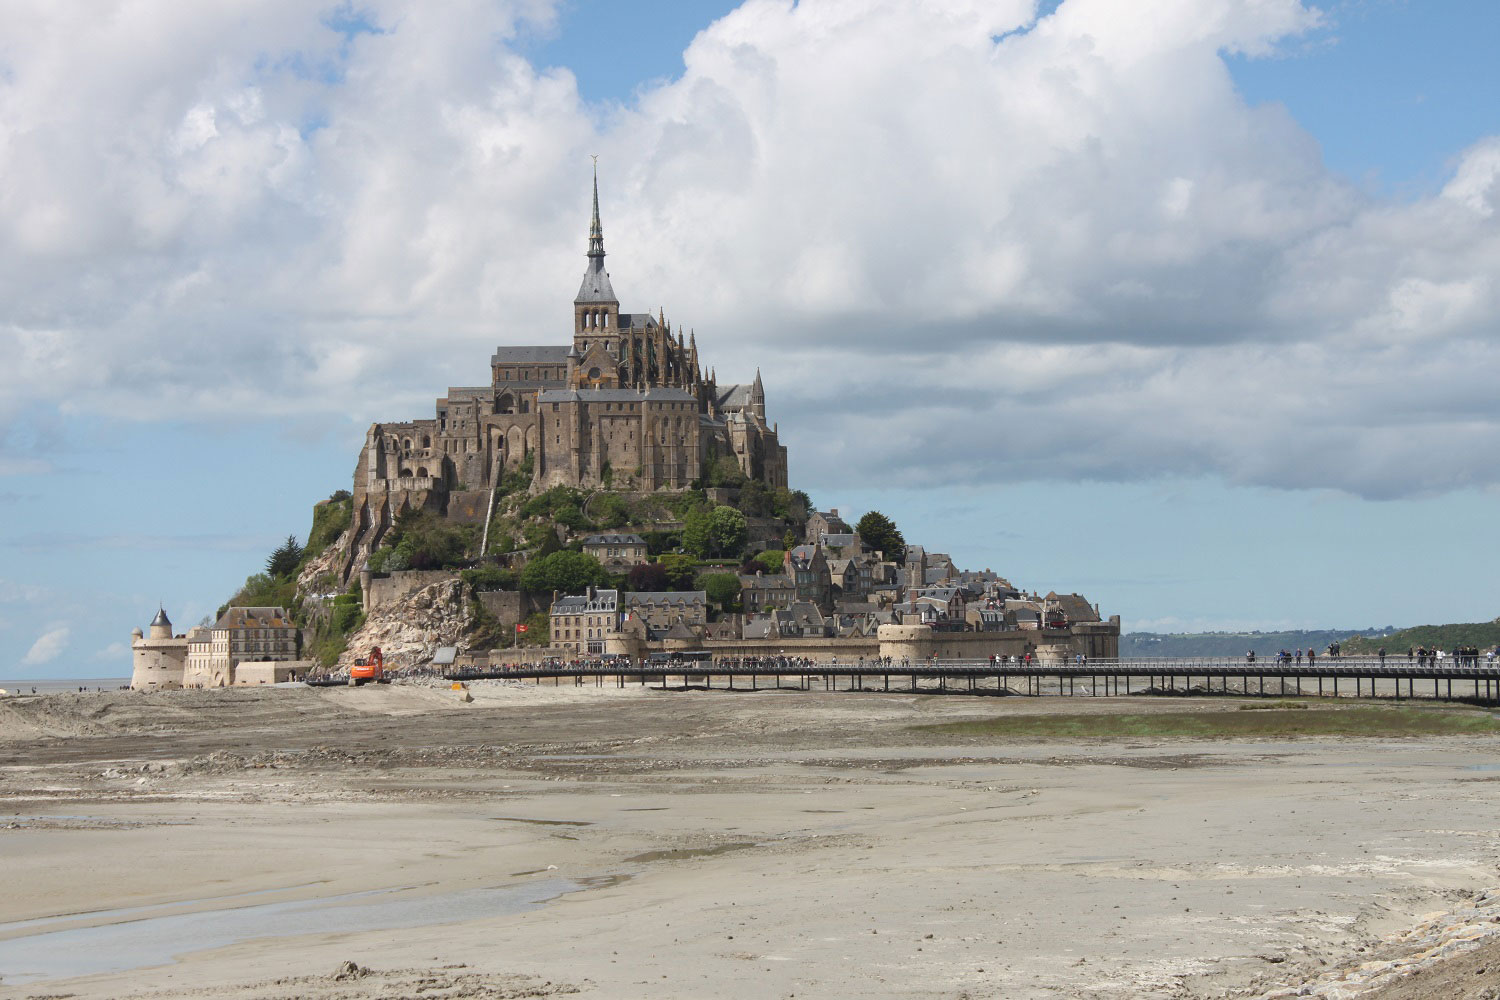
<point x="596" y="287"/>
<point x="596" y="229"/>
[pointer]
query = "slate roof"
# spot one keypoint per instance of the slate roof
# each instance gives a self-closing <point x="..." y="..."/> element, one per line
<point x="839" y="539"/>
<point x="161" y="618"/>
<point x="577" y="604"/>
<point x="657" y="598"/>
<point x="596" y="286"/>
<point x="1075" y="606"/>
<point x="614" y="540"/>
<point x="680" y="631"/>
<point x="766" y="581"/>
<point x="733" y="397"/>
<point x="530" y="355"/>
<point x="654" y="395"/>
<point x="253" y="618"/>
<point x="636" y="321"/>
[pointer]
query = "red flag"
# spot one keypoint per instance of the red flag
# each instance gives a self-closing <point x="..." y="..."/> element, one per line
<point x="522" y="628"/>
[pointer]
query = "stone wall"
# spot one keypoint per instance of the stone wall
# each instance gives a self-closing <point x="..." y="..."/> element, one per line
<point x="512" y="606"/>
<point x="255" y="672"/>
<point x="383" y="591"/>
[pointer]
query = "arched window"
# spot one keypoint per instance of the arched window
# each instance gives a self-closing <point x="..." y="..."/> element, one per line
<point x="406" y="443"/>
<point x="422" y="472"/>
<point x="426" y="441"/>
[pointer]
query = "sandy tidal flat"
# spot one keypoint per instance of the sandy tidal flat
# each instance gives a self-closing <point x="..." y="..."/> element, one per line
<point x="396" y="842"/>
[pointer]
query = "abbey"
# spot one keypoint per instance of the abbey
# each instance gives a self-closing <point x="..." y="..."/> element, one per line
<point x="625" y="404"/>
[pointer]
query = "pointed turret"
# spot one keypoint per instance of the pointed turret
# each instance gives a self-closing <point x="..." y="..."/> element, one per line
<point x="161" y="625"/>
<point x="758" y="397"/>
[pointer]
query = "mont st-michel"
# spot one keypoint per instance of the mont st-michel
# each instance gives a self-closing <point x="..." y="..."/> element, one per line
<point x="608" y="495"/>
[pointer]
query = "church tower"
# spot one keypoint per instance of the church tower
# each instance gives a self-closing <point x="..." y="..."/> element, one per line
<point x="596" y="311"/>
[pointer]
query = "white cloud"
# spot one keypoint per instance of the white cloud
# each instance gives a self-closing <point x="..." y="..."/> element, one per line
<point x="1074" y="252"/>
<point x="114" y="651"/>
<point x="47" y="646"/>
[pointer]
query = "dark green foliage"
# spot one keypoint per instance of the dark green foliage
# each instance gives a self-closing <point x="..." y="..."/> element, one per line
<point x="283" y="561"/>
<point x="570" y="516"/>
<point x="538" y="630"/>
<point x="548" y="504"/>
<point x="680" y="570"/>
<point x="564" y="572"/>
<point x="330" y="520"/>
<point x="771" y="561"/>
<point x="610" y="510"/>
<point x="647" y="577"/>
<point x="696" y="532"/>
<point x="658" y="542"/>
<point x="1482" y="635"/>
<point x="880" y="532"/>
<point x="719" y="532"/>
<point x="264" y="591"/>
<point x="724" y="472"/>
<point x="686" y="501"/>
<point x="421" y="540"/>
<point x="482" y="578"/>
<point x="542" y="537"/>
<point x="722" y="589"/>
<point x="726" y="532"/>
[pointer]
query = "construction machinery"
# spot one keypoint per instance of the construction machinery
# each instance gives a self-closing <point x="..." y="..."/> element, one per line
<point x="368" y="668"/>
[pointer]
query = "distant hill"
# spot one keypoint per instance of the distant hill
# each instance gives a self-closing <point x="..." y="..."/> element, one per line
<point x="1134" y="644"/>
<point x="1483" y="635"/>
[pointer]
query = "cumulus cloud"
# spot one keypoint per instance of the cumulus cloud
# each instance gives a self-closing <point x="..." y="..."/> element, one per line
<point x="48" y="646"/>
<point x="964" y="242"/>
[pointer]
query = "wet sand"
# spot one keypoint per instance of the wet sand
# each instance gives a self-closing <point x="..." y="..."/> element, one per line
<point x="600" y="843"/>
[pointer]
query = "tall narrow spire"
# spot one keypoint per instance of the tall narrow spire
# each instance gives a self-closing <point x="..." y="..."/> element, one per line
<point x="596" y="287"/>
<point x="596" y="230"/>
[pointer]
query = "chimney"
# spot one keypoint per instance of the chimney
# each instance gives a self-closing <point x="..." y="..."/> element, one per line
<point x="834" y="511"/>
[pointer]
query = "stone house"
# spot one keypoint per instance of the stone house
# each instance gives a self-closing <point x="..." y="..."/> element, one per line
<point x="660" y="610"/>
<point x="821" y="522"/>
<point x="584" y="622"/>
<point x="807" y="568"/>
<point x="616" y="552"/>
<point x="241" y="634"/>
<point x="762" y="592"/>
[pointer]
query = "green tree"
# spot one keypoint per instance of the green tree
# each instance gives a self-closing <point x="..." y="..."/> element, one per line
<point x="679" y="569"/>
<point x="697" y="528"/>
<point x="880" y="532"/>
<point x="565" y="572"/>
<point x="722" y="589"/>
<point x="771" y="561"/>
<point x="283" y="561"/>
<point x="727" y="532"/>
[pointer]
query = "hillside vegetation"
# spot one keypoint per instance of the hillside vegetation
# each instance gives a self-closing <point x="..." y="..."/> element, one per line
<point x="1482" y="635"/>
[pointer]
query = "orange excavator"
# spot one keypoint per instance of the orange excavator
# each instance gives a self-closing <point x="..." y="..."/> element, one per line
<point x="368" y="668"/>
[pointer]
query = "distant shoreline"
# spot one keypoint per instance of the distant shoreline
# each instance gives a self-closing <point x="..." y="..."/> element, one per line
<point x="49" y="685"/>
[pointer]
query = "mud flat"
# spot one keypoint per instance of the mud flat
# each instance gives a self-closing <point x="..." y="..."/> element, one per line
<point x="595" y="842"/>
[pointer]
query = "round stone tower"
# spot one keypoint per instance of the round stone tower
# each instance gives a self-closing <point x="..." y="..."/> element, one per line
<point x="157" y="659"/>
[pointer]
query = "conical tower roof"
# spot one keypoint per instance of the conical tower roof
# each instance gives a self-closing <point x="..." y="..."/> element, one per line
<point x="161" y="620"/>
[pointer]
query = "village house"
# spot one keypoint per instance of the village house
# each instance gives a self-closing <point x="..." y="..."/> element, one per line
<point x="616" y="552"/>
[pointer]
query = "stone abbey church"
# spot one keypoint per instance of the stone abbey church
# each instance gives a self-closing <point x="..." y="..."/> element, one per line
<point x="626" y="404"/>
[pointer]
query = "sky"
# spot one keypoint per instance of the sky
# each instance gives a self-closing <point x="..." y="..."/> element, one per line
<point x="1187" y="305"/>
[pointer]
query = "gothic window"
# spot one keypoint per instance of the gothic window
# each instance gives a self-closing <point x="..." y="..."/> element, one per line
<point x="426" y="441"/>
